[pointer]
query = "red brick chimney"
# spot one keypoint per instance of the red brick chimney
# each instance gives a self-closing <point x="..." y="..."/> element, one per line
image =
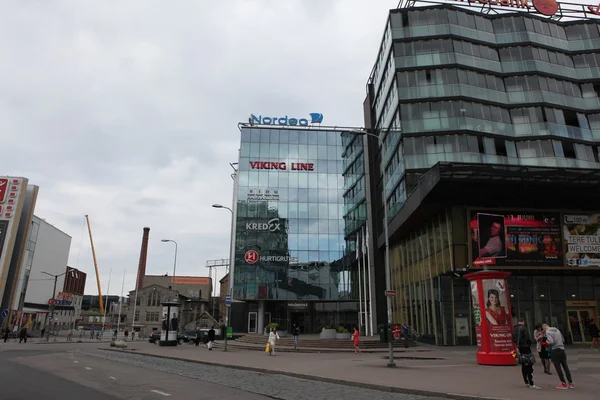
<point x="143" y="256"/>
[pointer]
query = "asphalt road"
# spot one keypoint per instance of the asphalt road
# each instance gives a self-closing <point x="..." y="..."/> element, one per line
<point x="81" y="371"/>
<point x="39" y="374"/>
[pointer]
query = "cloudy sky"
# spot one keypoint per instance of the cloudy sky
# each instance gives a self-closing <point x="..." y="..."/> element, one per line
<point x="127" y="110"/>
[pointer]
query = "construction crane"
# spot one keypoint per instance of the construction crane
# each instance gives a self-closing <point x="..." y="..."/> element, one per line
<point x="96" y="266"/>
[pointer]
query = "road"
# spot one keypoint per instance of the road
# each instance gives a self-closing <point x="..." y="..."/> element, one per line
<point x="76" y="371"/>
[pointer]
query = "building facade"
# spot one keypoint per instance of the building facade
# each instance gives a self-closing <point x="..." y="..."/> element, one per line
<point x="46" y="252"/>
<point x="299" y="191"/>
<point x="491" y="126"/>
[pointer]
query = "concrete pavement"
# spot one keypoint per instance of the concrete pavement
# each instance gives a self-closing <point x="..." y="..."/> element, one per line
<point x="451" y="373"/>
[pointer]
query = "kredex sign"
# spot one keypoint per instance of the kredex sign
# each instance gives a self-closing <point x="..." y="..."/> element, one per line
<point x="315" y="118"/>
<point x="582" y="240"/>
<point x="273" y="225"/>
<point x="515" y="239"/>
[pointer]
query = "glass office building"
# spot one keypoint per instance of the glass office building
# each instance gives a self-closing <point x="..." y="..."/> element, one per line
<point x="486" y="110"/>
<point x="299" y="195"/>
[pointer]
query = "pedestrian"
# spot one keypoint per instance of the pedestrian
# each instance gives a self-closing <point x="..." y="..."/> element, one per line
<point x="406" y="334"/>
<point x="273" y="337"/>
<point x="594" y="333"/>
<point x="43" y="330"/>
<point x="211" y="337"/>
<point x="542" y="347"/>
<point x="295" y="334"/>
<point x="523" y="342"/>
<point x="69" y="335"/>
<point x="126" y="334"/>
<point x="6" y="334"/>
<point x="23" y="335"/>
<point x="356" y="340"/>
<point x="198" y="336"/>
<point x="559" y="356"/>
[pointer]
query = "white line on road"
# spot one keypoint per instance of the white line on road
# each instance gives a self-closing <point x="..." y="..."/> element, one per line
<point x="76" y="362"/>
<point x="161" y="393"/>
<point x="112" y="378"/>
<point x="88" y="368"/>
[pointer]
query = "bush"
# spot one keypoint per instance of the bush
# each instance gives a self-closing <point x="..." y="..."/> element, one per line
<point x="273" y="325"/>
<point x="341" y="329"/>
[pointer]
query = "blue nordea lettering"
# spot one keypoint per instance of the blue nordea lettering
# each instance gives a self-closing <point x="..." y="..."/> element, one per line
<point x="283" y="120"/>
<point x="293" y="121"/>
<point x="255" y="120"/>
<point x="303" y="122"/>
<point x="266" y="120"/>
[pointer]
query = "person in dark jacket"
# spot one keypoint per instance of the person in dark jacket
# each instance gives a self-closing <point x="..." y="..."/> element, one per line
<point x="295" y="334"/>
<point x="6" y="334"/>
<point x="23" y="335"/>
<point x="523" y="342"/>
<point x="211" y="338"/>
<point x="594" y="333"/>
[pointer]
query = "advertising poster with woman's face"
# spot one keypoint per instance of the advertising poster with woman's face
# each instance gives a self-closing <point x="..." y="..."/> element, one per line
<point x="497" y="315"/>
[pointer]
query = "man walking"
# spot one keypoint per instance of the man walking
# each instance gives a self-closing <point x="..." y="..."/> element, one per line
<point x="405" y="333"/>
<point x="523" y="342"/>
<point x="559" y="357"/>
<point x="211" y="338"/>
<point x="295" y="334"/>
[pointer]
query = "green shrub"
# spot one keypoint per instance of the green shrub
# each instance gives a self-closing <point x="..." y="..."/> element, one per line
<point x="341" y="329"/>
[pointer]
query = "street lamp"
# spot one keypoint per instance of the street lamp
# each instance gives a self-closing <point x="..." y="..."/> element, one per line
<point x="53" y="305"/>
<point x="388" y="274"/>
<point x="174" y="262"/>
<point x="229" y="291"/>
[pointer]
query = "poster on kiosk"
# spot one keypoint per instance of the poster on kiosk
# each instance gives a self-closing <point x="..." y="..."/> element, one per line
<point x="492" y="317"/>
<point x="169" y="324"/>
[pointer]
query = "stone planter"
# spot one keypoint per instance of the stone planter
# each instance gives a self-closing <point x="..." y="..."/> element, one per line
<point x="328" y="334"/>
<point x="343" y="336"/>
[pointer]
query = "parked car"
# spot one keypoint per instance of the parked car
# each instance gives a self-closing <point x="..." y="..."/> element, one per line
<point x="182" y="337"/>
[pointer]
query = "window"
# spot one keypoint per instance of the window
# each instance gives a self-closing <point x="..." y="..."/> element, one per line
<point x="154" y="299"/>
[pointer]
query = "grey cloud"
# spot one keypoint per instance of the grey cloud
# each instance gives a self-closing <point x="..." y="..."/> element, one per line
<point x="128" y="112"/>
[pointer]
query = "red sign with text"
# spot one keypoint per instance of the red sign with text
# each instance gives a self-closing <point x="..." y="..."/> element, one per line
<point x="3" y="189"/>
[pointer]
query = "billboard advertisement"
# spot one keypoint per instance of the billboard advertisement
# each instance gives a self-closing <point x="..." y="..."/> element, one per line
<point x="502" y="238"/>
<point x="497" y="315"/>
<point x="582" y="240"/>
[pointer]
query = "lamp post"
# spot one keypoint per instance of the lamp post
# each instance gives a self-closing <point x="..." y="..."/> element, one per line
<point x="53" y="305"/>
<point x="388" y="274"/>
<point x="229" y="291"/>
<point x="174" y="262"/>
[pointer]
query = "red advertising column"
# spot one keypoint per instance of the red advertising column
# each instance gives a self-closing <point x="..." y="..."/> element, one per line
<point x="493" y="320"/>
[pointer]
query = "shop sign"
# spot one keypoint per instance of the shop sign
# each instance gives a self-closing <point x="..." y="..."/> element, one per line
<point x="263" y="194"/>
<point x="581" y="304"/>
<point x="582" y="237"/>
<point x="516" y="239"/>
<point x="252" y="257"/>
<point x="545" y="7"/>
<point x="298" y="306"/>
<point x="281" y="166"/>
<point x="272" y="225"/>
<point x="3" y="189"/>
<point x="315" y="118"/>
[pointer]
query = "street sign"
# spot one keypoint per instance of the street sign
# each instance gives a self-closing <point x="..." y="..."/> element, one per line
<point x="4" y="313"/>
<point x="227" y="300"/>
<point x="390" y="293"/>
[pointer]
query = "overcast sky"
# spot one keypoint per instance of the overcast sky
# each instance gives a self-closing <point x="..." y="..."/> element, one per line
<point x="127" y="110"/>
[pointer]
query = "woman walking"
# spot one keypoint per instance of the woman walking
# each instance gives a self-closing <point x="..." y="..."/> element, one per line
<point x="356" y="340"/>
<point x="542" y="346"/>
<point x="594" y="333"/>
<point x="273" y="337"/>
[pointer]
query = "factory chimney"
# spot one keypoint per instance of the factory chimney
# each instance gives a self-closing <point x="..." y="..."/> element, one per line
<point x="143" y="257"/>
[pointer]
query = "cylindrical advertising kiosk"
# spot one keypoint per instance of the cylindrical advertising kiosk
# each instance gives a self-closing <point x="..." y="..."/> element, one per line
<point x="493" y="319"/>
<point x="170" y="323"/>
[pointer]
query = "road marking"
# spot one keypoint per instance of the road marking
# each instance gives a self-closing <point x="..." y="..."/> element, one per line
<point x="112" y="378"/>
<point x="76" y="362"/>
<point x="88" y="368"/>
<point x="161" y="393"/>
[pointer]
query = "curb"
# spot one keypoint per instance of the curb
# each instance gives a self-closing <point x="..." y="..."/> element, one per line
<point x="380" y="388"/>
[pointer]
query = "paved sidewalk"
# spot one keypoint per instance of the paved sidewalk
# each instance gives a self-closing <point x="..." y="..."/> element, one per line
<point x="453" y="373"/>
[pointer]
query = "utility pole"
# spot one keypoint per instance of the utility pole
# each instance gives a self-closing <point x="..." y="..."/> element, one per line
<point x="53" y="304"/>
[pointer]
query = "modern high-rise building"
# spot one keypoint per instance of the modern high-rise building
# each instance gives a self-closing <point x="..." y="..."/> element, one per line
<point x="299" y="194"/>
<point x="490" y="117"/>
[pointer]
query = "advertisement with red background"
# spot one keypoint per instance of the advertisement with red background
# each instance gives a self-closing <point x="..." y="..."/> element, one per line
<point x="497" y="315"/>
<point x="3" y="189"/>
<point x="500" y="238"/>
<point x="476" y="313"/>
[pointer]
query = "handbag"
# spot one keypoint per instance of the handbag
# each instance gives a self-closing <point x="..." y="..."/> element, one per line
<point x="268" y="348"/>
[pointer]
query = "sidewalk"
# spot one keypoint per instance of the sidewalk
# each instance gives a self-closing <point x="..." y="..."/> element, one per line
<point x="453" y="372"/>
